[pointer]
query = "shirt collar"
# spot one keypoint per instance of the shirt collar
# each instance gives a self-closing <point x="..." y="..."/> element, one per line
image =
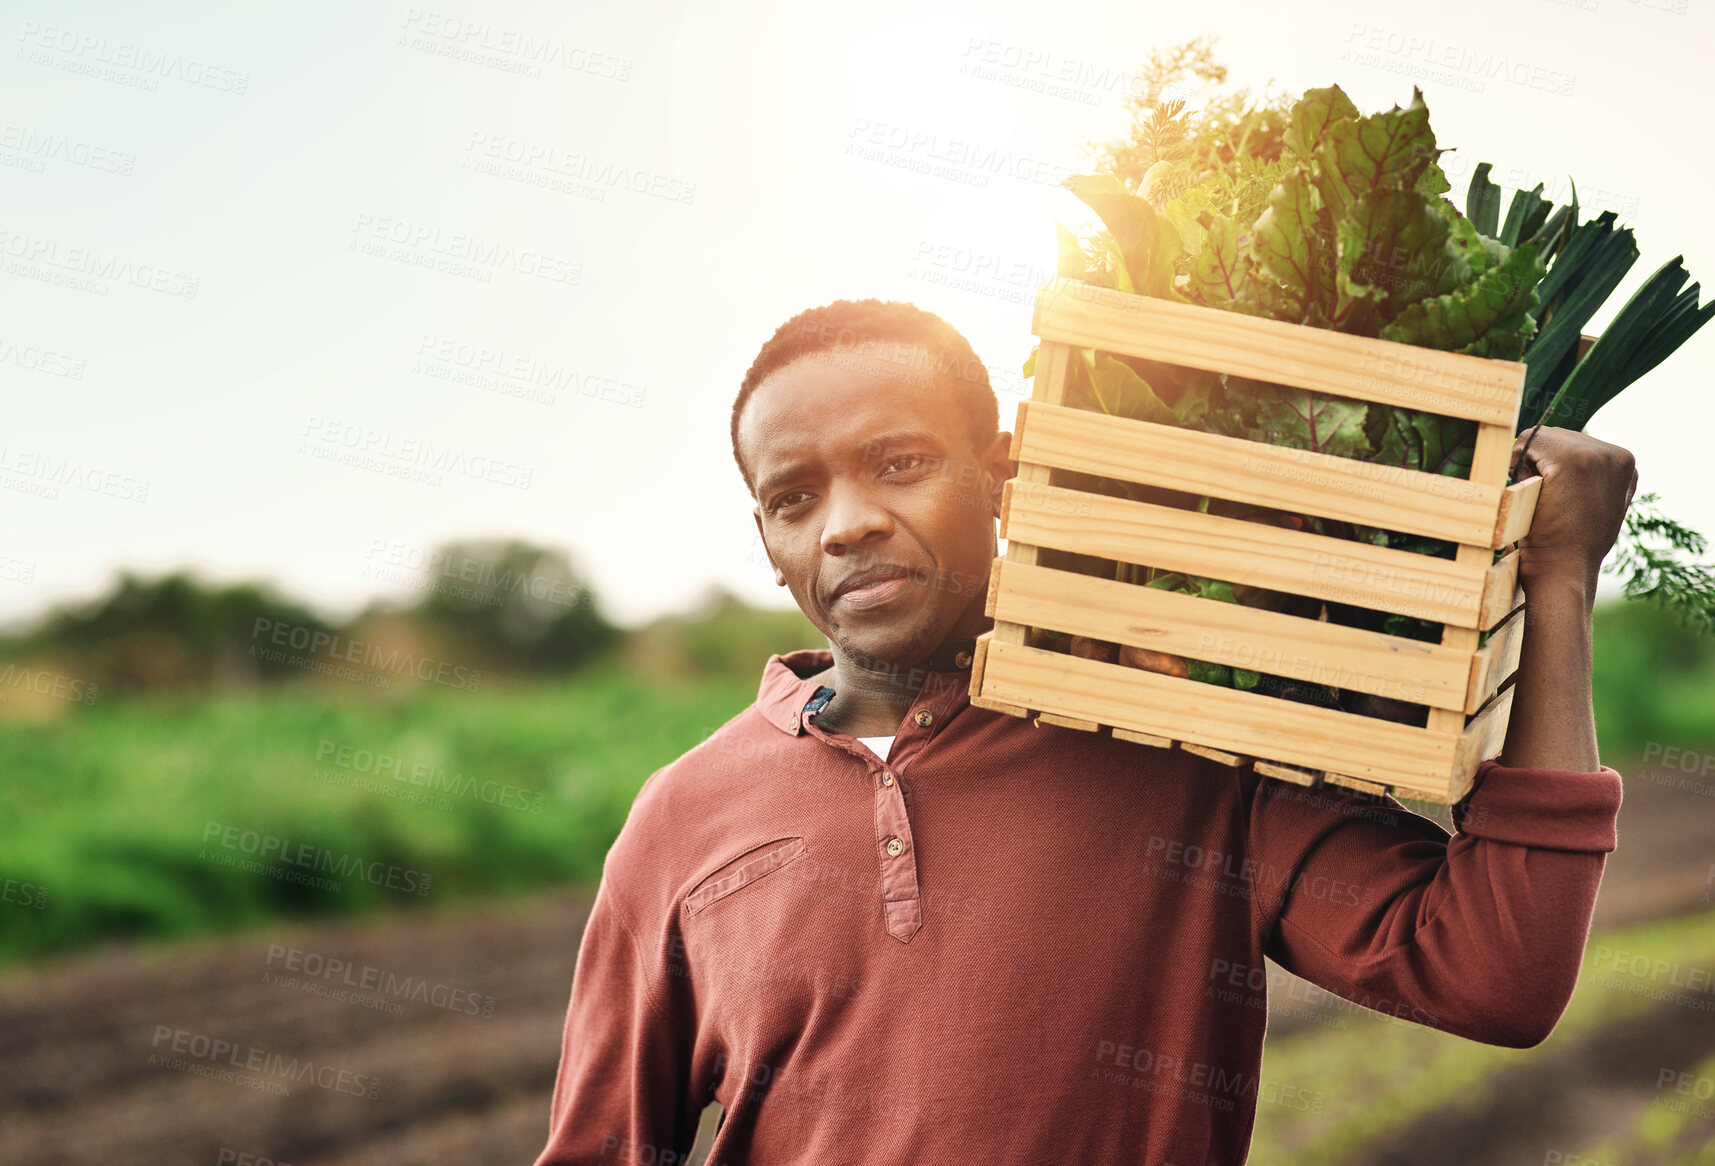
<point x="784" y="692"/>
<point x="785" y="689"/>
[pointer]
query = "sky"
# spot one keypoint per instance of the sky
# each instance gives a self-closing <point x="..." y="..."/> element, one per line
<point x="290" y="292"/>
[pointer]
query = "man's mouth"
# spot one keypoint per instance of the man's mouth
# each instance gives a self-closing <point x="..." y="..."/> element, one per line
<point x="873" y="587"/>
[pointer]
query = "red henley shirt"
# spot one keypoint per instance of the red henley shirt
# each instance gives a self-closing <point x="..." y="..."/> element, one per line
<point x="1013" y="943"/>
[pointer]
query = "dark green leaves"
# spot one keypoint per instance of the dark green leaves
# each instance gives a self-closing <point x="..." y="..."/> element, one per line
<point x="1394" y="251"/>
<point x="1490" y="317"/>
<point x="1361" y="155"/>
<point x="1291" y="242"/>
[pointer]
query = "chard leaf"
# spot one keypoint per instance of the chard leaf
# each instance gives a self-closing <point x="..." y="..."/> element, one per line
<point x="1384" y="150"/>
<point x="1301" y="419"/>
<point x="1146" y="243"/>
<point x="1312" y="115"/>
<point x="1394" y="251"/>
<point x="1221" y="273"/>
<point x="1292" y="243"/>
<point x="1121" y="392"/>
<point x="1479" y="253"/>
<point x="1487" y="317"/>
<point x="1448" y="443"/>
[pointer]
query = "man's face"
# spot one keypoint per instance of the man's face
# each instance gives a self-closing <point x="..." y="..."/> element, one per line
<point x="864" y="468"/>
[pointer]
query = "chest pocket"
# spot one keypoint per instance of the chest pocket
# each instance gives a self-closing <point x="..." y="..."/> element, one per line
<point x="748" y="867"/>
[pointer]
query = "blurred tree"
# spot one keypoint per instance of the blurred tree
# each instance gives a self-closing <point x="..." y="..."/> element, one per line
<point x="516" y="606"/>
<point x="170" y="632"/>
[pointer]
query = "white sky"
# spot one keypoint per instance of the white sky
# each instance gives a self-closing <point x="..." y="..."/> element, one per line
<point x="757" y="117"/>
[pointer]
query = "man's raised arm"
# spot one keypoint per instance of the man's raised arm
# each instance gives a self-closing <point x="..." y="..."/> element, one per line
<point x="1481" y="934"/>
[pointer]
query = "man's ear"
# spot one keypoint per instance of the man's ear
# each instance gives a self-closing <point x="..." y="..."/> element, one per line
<point x="1000" y="467"/>
<point x="779" y="576"/>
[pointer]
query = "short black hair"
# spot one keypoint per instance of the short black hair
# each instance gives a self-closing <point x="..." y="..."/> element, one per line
<point x="865" y="325"/>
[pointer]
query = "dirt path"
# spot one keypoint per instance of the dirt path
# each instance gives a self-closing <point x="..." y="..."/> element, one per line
<point x="83" y="1045"/>
<point x="103" y="1059"/>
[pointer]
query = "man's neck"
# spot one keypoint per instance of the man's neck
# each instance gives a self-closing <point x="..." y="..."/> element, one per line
<point x="871" y="701"/>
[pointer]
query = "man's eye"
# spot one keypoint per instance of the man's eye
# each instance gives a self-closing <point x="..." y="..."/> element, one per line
<point x="913" y="461"/>
<point x="786" y="500"/>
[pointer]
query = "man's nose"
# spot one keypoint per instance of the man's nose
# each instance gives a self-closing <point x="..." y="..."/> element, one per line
<point x="854" y="515"/>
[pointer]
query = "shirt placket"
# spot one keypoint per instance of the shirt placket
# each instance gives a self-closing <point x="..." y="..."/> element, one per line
<point x="896" y="849"/>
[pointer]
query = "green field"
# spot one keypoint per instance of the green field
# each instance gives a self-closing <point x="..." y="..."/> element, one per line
<point x="113" y="817"/>
<point x="107" y="817"/>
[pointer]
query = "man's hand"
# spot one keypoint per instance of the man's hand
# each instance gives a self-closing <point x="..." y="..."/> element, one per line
<point x="1587" y="486"/>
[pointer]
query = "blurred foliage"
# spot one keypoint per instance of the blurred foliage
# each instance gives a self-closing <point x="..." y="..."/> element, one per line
<point x="1653" y="680"/>
<point x="501" y="790"/>
<point x="721" y="637"/>
<point x="503" y="607"/>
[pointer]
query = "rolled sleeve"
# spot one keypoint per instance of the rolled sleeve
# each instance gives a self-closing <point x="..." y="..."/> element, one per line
<point x="1549" y="809"/>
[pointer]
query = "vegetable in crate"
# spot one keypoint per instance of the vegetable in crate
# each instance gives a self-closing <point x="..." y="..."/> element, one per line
<point x="1338" y="220"/>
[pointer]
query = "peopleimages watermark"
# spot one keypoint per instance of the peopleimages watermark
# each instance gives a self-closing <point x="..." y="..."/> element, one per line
<point x="122" y="62"/>
<point x="565" y="171"/>
<point x="1689" y="1085"/>
<point x="1194" y="1081"/>
<point x="962" y="160"/>
<point x="29" y="149"/>
<point x="1654" y="978"/>
<point x="1231" y="873"/>
<point x="42" y="474"/>
<point x="413" y="458"/>
<point x="88" y="269"/>
<point x="17" y="893"/>
<point x="1038" y="70"/>
<point x="17" y="570"/>
<point x="228" y="1055"/>
<point x="16" y="677"/>
<point x="508" y="50"/>
<point x="1458" y="66"/>
<point x="36" y="358"/>
<point x="513" y="374"/>
<point x="230" y="1157"/>
<point x="355" y="759"/>
<point x="454" y="252"/>
<point x="465" y="576"/>
<point x="307" y="856"/>
<point x="1257" y="985"/>
<point x="362" y="984"/>
<point x="335" y="647"/>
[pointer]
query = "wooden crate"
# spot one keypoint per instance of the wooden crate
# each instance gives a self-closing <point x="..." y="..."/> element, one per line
<point x="1464" y="687"/>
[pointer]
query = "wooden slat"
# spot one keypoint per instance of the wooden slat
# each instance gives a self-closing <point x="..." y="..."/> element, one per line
<point x="1067" y="722"/>
<point x="1232" y="634"/>
<point x="1250" y="553"/>
<point x="1496" y="660"/>
<point x="1235" y="760"/>
<point x="1357" y="783"/>
<point x="1491" y="458"/>
<point x="1143" y="738"/>
<point x="1290" y="773"/>
<point x="1433" y="505"/>
<point x="1262" y="726"/>
<point x="1277" y="352"/>
<point x="1053" y="365"/>
<point x="1518" y="507"/>
<point x="1486" y="735"/>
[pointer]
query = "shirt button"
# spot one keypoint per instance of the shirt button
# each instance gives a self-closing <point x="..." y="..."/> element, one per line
<point x="794" y="725"/>
<point x="894" y="846"/>
<point x="887" y="777"/>
<point x="962" y="660"/>
<point x="925" y="718"/>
